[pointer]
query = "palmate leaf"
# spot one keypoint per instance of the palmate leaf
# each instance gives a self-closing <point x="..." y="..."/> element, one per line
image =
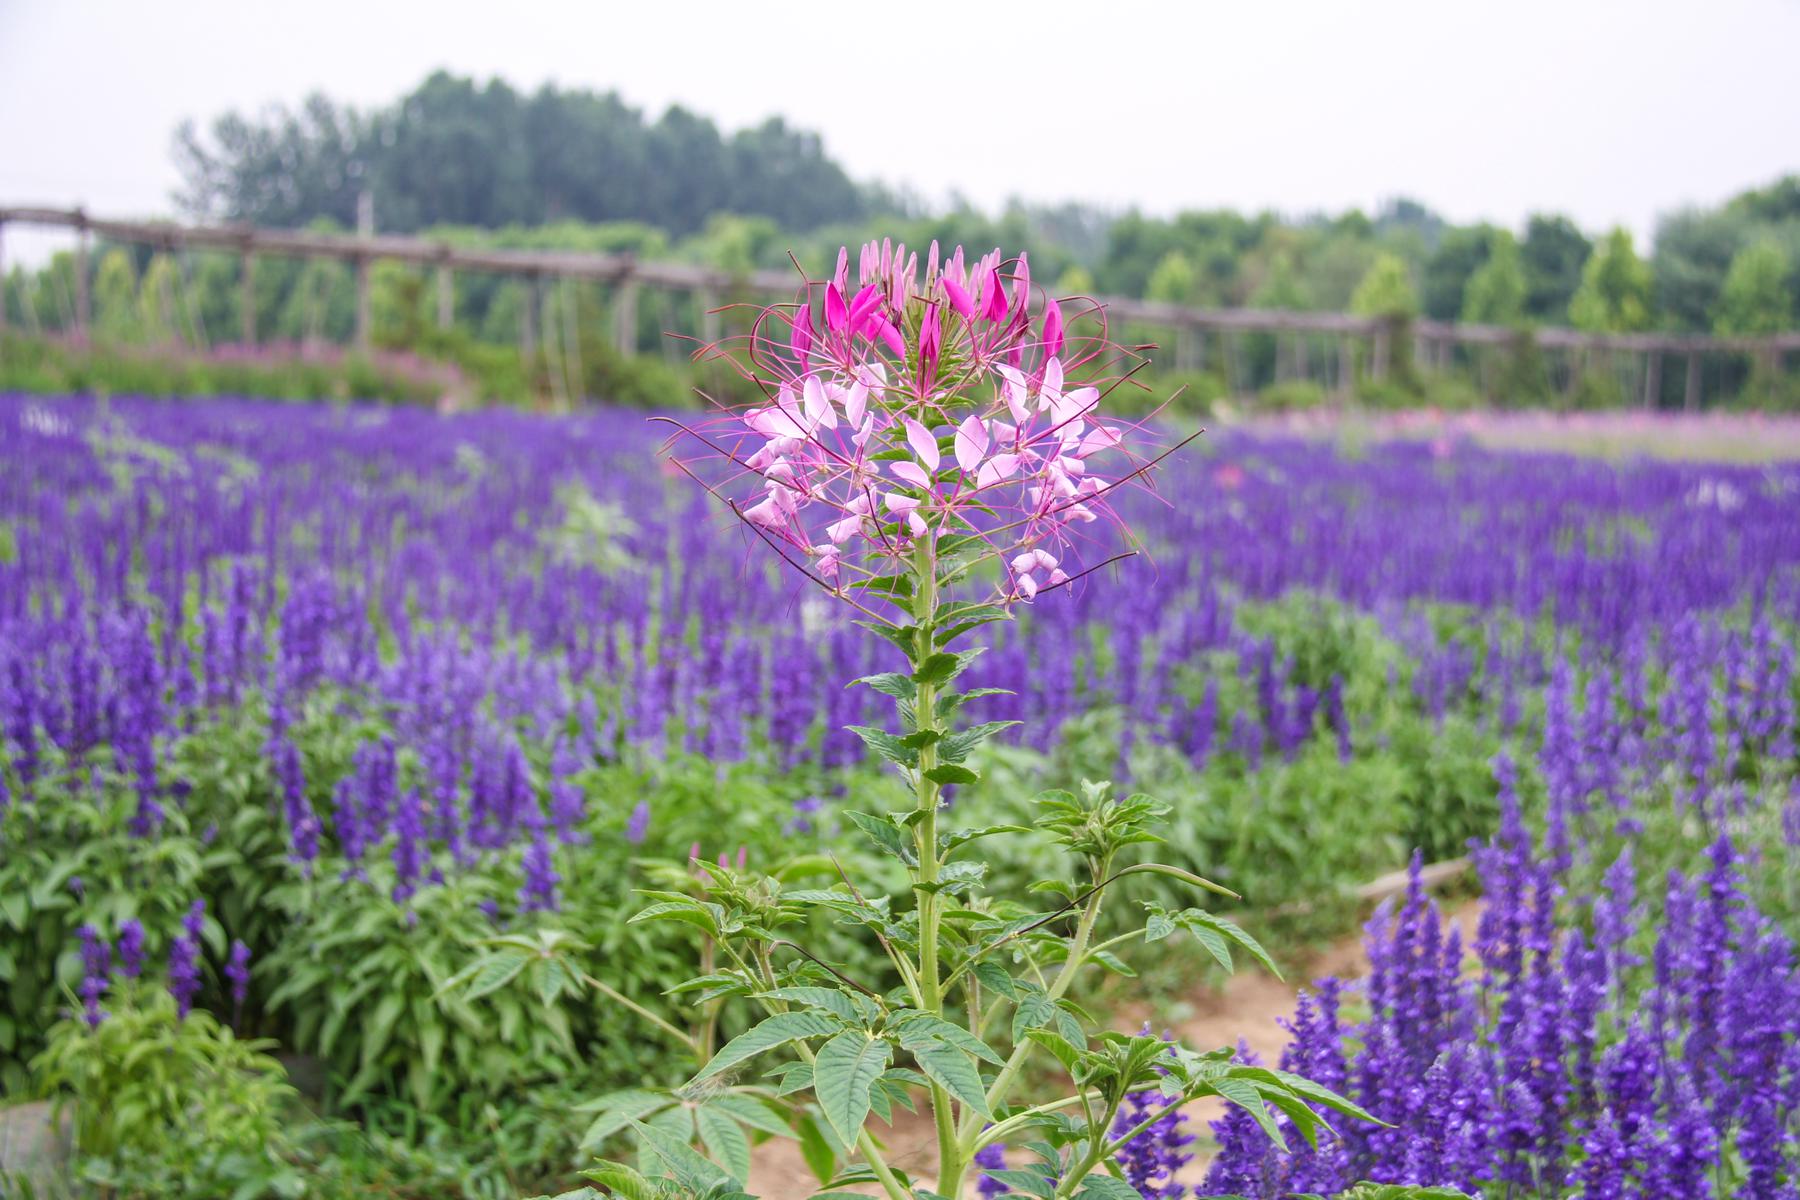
<point x="843" y="1075"/>
<point x="778" y="1030"/>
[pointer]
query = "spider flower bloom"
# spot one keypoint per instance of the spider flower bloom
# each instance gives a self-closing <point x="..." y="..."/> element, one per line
<point x="929" y="402"/>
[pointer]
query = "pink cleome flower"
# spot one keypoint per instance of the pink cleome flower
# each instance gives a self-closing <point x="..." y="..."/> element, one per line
<point x="925" y="406"/>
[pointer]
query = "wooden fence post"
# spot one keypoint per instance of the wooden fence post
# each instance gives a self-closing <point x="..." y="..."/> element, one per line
<point x="84" y="305"/>
<point x="1653" y="381"/>
<point x="446" y="292"/>
<point x="247" y="296"/>
<point x="625" y="317"/>
<point x="710" y="325"/>
<point x="1690" y="397"/>
<point x="363" y="315"/>
<point x="1378" y="358"/>
<point x="528" y="321"/>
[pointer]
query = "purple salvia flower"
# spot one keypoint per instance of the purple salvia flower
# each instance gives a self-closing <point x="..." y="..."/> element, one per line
<point x="237" y="971"/>
<point x="638" y="827"/>
<point x="410" y="851"/>
<point x="96" y="966"/>
<point x="991" y="1157"/>
<point x="131" y="947"/>
<point x="538" y="892"/>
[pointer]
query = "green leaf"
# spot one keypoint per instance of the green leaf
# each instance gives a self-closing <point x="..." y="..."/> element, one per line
<point x="890" y="747"/>
<point x="1034" y="1183"/>
<point x="688" y="1167"/>
<point x="829" y="999"/>
<point x="621" y="1110"/>
<point x="952" y="1069"/>
<point x="845" y="1070"/>
<point x="724" y="1140"/>
<point x="816" y="1149"/>
<point x="960" y="837"/>
<point x="1066" y="1052"/>
<point x="950" y="773"/>
<point x="886" y="836"/>
<point x="778" y="1030"/>
<point x="496" y="972"/>
<point x="957" y="746"/>
<point x="915" y="1026"/>
<point x="1104" y="1187"/>
<point x="889" y="683"/>
<point x="996" y="978"/>
<point x="622" y="1181"/>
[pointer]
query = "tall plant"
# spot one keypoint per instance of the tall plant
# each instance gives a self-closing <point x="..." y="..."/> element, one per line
<point x="927" y="457"/>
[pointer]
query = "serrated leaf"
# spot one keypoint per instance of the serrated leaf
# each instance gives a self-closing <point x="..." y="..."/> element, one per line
<point x="887" y="745"/>
<point x="844" y="1071"/>
<point x="621" y="1111"/>
<point x="778" y="1030"/>
<point x="889" y="683"/>
<point x="957" y="746"/>
<point x="953" y="1070"/>
<point x="691" y="1169"/>
<point x="886" y="836"/>
<point x="914" y="1026"/>
<point x="724" y="1140"/>
<point x="1065" y="1051"/>
<point x="996" y="978"/>
<point x="949" y="773"/>
<point x="1104" y="1187"/>
<point x="497" y="970"/>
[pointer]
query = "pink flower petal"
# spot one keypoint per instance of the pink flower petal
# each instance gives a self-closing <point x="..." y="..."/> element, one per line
<point x="922" y="443"/>
<point x="971" y="443"/>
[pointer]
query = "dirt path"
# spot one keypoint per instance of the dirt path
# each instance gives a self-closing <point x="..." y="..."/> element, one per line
<point x="1249" y="1007"/>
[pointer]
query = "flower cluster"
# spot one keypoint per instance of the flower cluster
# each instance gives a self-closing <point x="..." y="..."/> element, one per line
<point x="1559" y="1070"/>
<point x="912" y="402"/>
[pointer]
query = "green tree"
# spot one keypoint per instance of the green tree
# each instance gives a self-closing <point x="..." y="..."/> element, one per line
<point x="1756" y="298"/>
<point x="1552" y="255"/>
<point x="1386" y="290"/>
<point x="1448" y="270"/>
<point x="1495" y="294"/>
<point x="1616" y="288"/>
<point x="116" y="297"/>
<point x="160" y="312"/>
<point x="1174" y="281"/>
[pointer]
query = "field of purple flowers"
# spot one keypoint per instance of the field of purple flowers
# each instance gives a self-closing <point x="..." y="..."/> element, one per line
<point x="298" y="703"/>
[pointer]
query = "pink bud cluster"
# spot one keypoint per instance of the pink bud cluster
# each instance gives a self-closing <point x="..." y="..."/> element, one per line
<point x="917" y="406"/>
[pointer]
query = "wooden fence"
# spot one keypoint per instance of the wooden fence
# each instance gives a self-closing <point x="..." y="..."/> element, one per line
<point x="1352" y="339"/>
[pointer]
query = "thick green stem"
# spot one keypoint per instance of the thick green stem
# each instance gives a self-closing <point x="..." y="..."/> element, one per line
<point x="931" y="988"/>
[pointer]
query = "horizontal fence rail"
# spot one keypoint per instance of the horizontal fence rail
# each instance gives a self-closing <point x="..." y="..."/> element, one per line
<point x="1434" y="342"/>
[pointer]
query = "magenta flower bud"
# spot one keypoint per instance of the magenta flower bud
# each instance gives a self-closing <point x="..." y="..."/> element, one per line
<point x="837" y="316"/>
<point x="862" y="307"/>
<point x="1053" y="329"/>
<point x="993" y="295"/>
<point x="959" y="298"/>
<point x="800" y="335"/>
<point x="930" y="339"/>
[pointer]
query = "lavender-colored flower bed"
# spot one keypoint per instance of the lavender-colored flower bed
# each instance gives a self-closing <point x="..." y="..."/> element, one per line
<point x="518" y="597"/>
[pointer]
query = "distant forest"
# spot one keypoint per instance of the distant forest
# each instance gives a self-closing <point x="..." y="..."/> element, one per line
<point x="586" y="170"/>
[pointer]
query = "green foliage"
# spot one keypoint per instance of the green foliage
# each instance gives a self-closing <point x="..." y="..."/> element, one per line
<point x="1758" y="297"/>
<point x="1615" y="292"/>
<point x="1495" y="293"/>
<point x="1386" y="290"/>
<point x="204" y="1110"/>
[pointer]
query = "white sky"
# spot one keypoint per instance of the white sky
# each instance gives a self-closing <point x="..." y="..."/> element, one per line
<point x="1611" y="112"/>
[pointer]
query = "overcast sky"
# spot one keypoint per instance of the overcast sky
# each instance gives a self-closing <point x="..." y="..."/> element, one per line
<point x="1612" y="113"/>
